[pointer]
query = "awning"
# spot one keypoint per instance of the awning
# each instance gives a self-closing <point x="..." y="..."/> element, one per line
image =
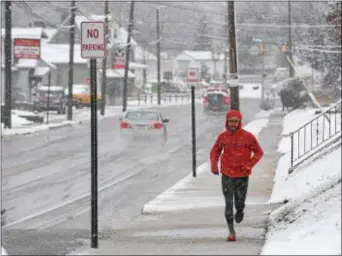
<point x="41" y="71"/>
<point x="118" y="73"/>
<point x="136" y="65"/>
<point x="27" y="63"/>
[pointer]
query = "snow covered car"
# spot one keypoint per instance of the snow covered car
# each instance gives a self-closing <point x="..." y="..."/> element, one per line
<point x="216" y="100"/>
<point x="50" y="98"/>
<point x="144" y="124"/>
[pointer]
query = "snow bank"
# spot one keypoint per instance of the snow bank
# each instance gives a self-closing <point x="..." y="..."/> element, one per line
<point x="310" y="222"/>
<point x="248" y="92"/>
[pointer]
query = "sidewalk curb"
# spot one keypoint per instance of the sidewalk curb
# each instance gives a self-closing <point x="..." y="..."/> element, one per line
<point x="46" y="128"/>
<point x="72" y="123"/>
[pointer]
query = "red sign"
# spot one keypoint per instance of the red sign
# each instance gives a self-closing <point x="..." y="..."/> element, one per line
<point x="119" y="59"/>
<point x="26" y="48"/>
<point x="118" y="66"/>
<point x="192" y="75"/>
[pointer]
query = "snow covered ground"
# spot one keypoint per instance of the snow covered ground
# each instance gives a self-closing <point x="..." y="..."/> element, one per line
<point x="3" y="251"/>
<point x="248" y="92"/>
<point x="310" y="222"/>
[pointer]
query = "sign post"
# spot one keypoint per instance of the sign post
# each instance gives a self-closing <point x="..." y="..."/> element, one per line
<point x="93" y="46"/>
<point x="193" y="79"/>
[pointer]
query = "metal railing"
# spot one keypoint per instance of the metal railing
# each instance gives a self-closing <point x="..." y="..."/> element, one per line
<point x="315" y="135"/>
<point x="166" y="98"/>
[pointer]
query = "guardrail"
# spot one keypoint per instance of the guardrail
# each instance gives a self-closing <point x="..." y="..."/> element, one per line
<point x="315" y="135"/>
<point x="165" y="98"/>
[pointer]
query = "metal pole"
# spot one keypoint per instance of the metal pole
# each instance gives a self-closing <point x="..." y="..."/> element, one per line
<point x="8" y="65"/>
<point x="48" y="99"/>
<point x="94" y="188"/>
<point x="128" y="49"/>
<point x="193" y="126"/>
<point x="158" y="56"/>
<point x="262" y="78"/>
<point x="225" y="66"/>
<point x="144" y="70"/>
<point x="225" y="71"/>
<point x="71" y="58"/>
<point x="234" y="88"/>
<point x="104" y="62"/>
<point x="291" y="71"/>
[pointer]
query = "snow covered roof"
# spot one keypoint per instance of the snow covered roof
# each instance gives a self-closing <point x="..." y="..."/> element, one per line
<point x="26" y="33"/>
<point x="139" y="54"/>
<point x="199" y="55"/>
<point x="51" y="88"/>
<point x="118" y="73"/>
<point x="135" y="65"/>
<point x="122" y="37"/>
<point x="41" y="71"/>
<point x="59" y="53"/>
<point x="50" y="32"/>
<point x="27" y="63"/>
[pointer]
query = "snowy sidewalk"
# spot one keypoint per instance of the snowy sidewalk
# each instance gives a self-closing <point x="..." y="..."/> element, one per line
<point x="188" y="218"/>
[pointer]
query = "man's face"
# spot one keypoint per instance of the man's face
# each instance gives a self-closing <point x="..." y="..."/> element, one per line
<point x="233" y="124"/>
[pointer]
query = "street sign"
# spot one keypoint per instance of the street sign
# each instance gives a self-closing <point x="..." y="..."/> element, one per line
<point x="192" y="75"/>
<point x="93" y="40"/>
<point x="119" y="58"/>
<point x="26" y="48"/>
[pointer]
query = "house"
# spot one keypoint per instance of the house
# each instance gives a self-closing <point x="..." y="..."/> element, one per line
<point x="56" y="50"/>
<point x="26" y="73"/>
<point x="199" y="59"/>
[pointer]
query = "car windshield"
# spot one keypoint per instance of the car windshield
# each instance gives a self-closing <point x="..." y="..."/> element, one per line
<point x="141" y="116"/>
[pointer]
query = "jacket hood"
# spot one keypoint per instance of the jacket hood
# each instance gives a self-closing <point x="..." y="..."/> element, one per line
<point x="234" y="114"/>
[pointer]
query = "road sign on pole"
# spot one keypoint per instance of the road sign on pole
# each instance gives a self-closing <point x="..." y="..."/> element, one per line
<point x="93" y="40"/>
<point x="93" y="46"/>
<point x="192" y="75"/>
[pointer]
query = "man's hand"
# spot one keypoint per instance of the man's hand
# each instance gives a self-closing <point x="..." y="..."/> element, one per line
<point x="215" y="172"/>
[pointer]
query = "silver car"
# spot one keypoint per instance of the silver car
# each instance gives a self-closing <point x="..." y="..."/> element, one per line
<point x="144" y="124"/>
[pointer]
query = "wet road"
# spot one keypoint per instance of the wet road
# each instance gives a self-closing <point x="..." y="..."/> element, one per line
<point x="46" y="178"/>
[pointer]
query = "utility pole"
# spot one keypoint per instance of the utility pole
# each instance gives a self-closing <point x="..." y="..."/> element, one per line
<point x="158" y="56"/>
<point x="144" y="70"/>
<point x="291" y="71"/>
<point x="8" y="65"/>
<point x="71" y="58"/>
<point x="128" y="49"/>
<point x="104" y="61"/>
<point x="233" y="76"/>
<point x="225" y="66"/>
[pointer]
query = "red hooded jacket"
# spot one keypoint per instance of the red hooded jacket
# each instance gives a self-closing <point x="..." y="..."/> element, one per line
<point x="239" y="151"/>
